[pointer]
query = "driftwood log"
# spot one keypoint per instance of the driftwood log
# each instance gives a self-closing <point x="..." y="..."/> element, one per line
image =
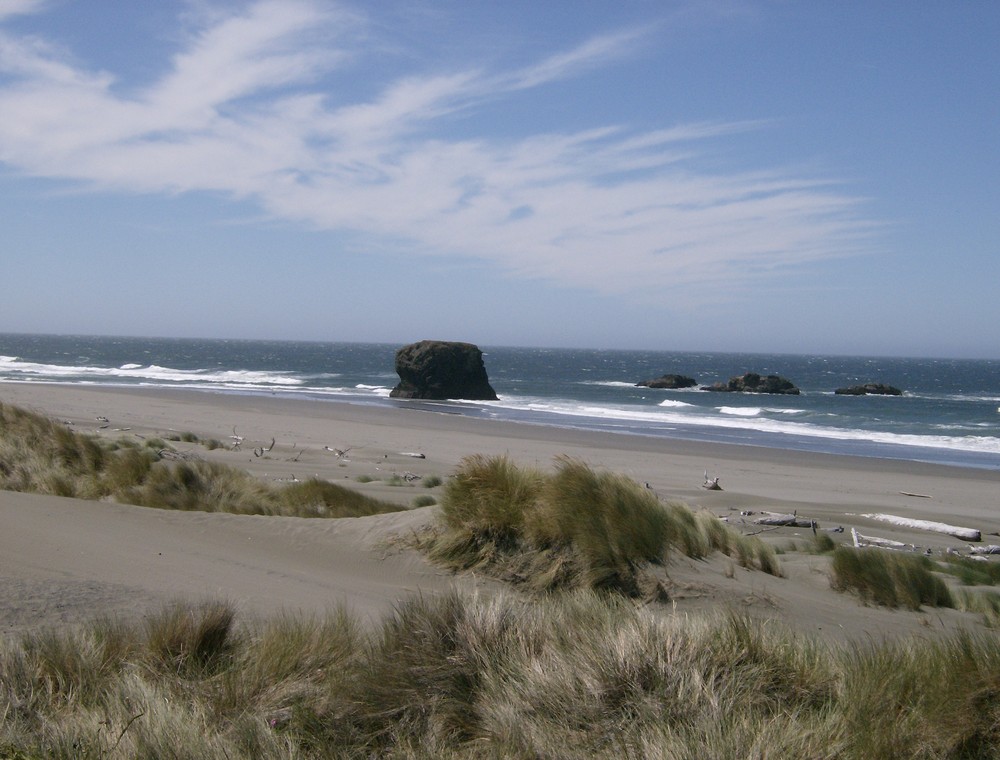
<point x="991" y="549"/>
<point x="967" y="534"/>
<point x="789" y="520"/>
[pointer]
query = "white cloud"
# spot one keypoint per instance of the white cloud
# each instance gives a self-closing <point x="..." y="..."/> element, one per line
<point x="9" y="8"/>
<point x="243" y="110"/>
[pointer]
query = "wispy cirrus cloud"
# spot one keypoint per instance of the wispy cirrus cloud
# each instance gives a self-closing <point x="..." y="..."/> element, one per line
<point x="10" y="8"/>
<point x="246" y="108"/>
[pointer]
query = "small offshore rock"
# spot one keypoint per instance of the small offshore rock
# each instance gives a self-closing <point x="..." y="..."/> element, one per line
<point x="669" y="382"/>
<point x="875" y="389"/>
<point x="751" y="382"/>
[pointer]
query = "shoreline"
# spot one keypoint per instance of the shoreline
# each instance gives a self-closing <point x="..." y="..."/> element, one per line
<point x="442" y="420"/>
<point x="64" y="559"/>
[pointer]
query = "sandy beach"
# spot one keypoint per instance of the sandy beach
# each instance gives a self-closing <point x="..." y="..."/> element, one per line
<point x="63" y="561"/>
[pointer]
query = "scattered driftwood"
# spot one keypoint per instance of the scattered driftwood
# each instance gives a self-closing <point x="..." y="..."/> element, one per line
<point x="916" y="495"/>
<point x="414" y="454"/>
<point x="236" y="439"/>
<point x="882" y="543"/>
<point x="409" y="477"/>
<point x="262" y="450"/>
<point x="967" y="534"/>
<point x="788" y="520"/>
<point x="990" y="549"/>
<point x="339" y="453"/>
<point x="711" y="484"/>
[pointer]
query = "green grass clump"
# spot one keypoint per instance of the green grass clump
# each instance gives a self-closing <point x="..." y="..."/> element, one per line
<point x="887" y="578"/>
<point x="431" y="481"/>
<point x="985" y="603"/>
<point x="40" y="455"/>
<point x="490" y="495"/>
<point x="972" y="572"/>
<point x="573" y="528"/>
<point x="822" y="543"/>
<point x="576" y="675"/>
<point x="326" y="499"/>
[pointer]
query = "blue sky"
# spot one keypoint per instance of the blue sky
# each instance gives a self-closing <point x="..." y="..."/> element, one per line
<point x="803" y="177"/>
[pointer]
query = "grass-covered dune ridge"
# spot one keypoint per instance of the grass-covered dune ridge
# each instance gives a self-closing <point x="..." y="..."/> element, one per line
<point x="572" y="527"/>
<point x="40" y="455"/>
<point x="567" y="675"/>
<point x="913" y="581"/>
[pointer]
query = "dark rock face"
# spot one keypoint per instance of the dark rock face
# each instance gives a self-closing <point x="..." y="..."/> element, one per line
<point x="434" y="369"/>
<point x="670" y="382"/>
<point x="751" y="382"/>
<point x="876" y="389"/>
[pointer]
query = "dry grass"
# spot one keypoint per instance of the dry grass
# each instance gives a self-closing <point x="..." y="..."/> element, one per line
<point x="575" y="675"/>
<point x="40" y="455"/>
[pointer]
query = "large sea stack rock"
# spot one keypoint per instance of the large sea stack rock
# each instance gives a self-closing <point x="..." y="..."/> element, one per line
<point x="435" y="369"/>
<point x="751" y="382"/>
<point x="875" y="389"/>
<point x="670" y="382"/>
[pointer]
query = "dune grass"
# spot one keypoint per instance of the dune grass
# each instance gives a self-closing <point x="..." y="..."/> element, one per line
<point x="971" y="572"/>
<point x="40" y="455"/>
<point x="575" y="675"/>
<point x="890" y="579"/>
<point x="572" y="528"/>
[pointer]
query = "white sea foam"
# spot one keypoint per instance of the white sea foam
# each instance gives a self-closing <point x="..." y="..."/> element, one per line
<point x="152" y="374"/>
<point x="668" y="417"/>
<point x="377" y="390"/>
<point x="740" y="411"/>
<point x="670" y="403"/>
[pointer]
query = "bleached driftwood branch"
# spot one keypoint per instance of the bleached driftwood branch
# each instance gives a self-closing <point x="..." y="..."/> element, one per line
<point x="968" y="534"/>
<point x="883" y="543"/>
<point x="262" y="450"/>
<point x="711" y="484"/>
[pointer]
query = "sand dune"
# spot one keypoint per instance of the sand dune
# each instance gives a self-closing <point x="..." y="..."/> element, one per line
<point x="64" y="560"/>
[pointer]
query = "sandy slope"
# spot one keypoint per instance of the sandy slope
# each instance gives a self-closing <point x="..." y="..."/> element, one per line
<point x="64" y="560"/>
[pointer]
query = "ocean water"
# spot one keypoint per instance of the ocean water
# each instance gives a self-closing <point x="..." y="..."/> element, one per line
<point x="949" y="413"/>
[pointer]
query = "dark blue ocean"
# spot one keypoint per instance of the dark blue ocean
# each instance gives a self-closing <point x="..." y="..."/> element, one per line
<point x="949" y="413"/>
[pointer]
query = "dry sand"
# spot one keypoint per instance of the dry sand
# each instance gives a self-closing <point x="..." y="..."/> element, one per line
<point x="64" y="560"/>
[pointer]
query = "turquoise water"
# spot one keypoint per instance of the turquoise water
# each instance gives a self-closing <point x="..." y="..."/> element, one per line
<point x="949" y="413"/>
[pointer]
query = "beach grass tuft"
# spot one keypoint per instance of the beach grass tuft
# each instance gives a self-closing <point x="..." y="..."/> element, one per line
<point x="573" y="675"/>
<point x="972" y="572"/>
<point x="888" y="578"/>
<point x="575" y="527"/>
<point x="40" y="455"/>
